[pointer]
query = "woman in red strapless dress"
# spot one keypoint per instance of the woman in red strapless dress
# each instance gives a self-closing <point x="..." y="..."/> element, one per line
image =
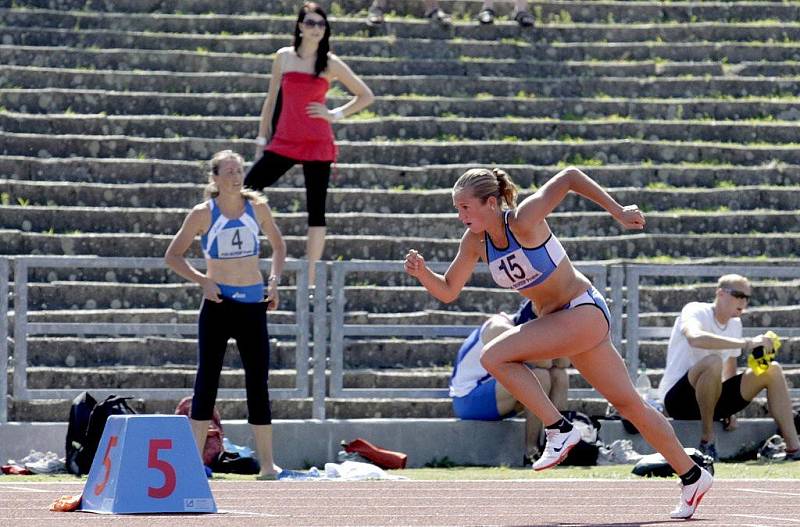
<point x="295" y="124"/>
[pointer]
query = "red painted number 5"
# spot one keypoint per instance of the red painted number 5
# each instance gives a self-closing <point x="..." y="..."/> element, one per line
<point x="100" y="487"/>
<point x="163" y="466"/>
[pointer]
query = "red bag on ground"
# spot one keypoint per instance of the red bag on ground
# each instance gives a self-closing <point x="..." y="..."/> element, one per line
<point x="213" y="446"/>
<point x="379" y="456"/>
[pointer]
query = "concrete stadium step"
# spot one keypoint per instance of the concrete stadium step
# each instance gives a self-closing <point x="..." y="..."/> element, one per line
<point x="772" y="306"/>
<point x="573" y="11"/>
<point x="655" y="299"/>
<point x="28" y="174"/>
<point x="122" y="377"/>
<point x="379" y="248"/>
<point x="612" y="151"/>
<point x="167" y="351"/>
<point x="653" y="58"/>
<point x="46" y="274"/>
<point x="151" y="200"/>
<point x="161" y="352"/>
<point x="771" y="312"/>
<point x="372" y="353"/>
<point x="408" y="128"/>
<point x="172" y="199"/>
<point x="256" y="23"/>
<point x="616" y="60"/>
<point x="111" y="220"/>
<point x="58" y="410"/>
<point x="103" y="295"/>
<point x="391" y="300"/>
<point x="237" y="82"/>
<point x="29" y="32"/>
<point x="83" y="101"/>
<point x="194" y="61"/>
<point x="130" y="377"/>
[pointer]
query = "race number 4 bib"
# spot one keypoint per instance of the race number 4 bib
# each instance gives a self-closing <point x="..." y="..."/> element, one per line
<point x="235" y="243"/>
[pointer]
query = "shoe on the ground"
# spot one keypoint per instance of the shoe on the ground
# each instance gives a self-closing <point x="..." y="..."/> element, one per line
<point x="557" y="447"/>
<point x="691" y="496"/>
<point x="623" y="452"/>
<point x="524" y="19"/>
<point x="773" y="449"/>
<point x="374" y="15"/>
<point x="486" y="16"/>
<point x="438" y="16"/>
<point x="709" y="449"/>
<point x="794" y="455"/>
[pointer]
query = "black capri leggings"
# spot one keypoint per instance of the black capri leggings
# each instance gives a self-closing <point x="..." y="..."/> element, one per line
<point x="317" y="175"/>
<point x="247" y="324"/>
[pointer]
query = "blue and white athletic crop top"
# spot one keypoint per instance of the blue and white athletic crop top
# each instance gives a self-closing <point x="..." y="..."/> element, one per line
<point x="521" y="267"/>
<point x="231" y="238"/>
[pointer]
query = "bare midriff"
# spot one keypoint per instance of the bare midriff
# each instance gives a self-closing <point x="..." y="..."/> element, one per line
<point x="564" y="284"/>
<point x="235" y="271"/>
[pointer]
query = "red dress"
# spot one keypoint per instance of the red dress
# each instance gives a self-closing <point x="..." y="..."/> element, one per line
<point x="297" y="135"/>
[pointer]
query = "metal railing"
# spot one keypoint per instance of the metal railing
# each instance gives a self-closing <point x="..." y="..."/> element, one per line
<point x="340" y="330"/>
<point x="3" y="340"/>
<point x="23" y="328"/>
<point x="328" y="334"/>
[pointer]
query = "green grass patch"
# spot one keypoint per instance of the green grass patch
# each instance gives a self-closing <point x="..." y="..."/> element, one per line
<point x="747" y="470"/>
<point x="363" y="115"/>
<point x="730" y="471"/>
<point x="659" y="185"/>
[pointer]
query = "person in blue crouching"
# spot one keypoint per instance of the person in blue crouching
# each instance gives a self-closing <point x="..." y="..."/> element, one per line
<point x="478" y="396"/>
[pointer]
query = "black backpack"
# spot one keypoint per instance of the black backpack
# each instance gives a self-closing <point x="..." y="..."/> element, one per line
<point x="585" y="452"/>
<point x="654" y="465"/>
<point x="87" y="419"/>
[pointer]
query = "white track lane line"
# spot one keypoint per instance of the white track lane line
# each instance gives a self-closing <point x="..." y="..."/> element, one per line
<point x="773" y="518"/>
<point x="775" y="492"/>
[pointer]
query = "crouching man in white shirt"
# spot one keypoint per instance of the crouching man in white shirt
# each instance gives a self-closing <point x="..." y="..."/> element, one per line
<point x="700" y="381"/>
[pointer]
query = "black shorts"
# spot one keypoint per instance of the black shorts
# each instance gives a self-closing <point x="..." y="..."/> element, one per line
<point x="681" y="402"/>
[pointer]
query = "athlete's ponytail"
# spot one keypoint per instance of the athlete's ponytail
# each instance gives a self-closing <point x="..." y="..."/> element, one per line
<point x="506" y="187"/>
<point x="484" y="183"/>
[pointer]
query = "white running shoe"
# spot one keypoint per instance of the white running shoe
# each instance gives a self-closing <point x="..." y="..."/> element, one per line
<point x="691" y="496"/>
<point x="557" y="447"/>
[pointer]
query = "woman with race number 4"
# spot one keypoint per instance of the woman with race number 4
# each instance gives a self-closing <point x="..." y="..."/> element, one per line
<point x="234" y="302"/>
<point x="573" y="319"/>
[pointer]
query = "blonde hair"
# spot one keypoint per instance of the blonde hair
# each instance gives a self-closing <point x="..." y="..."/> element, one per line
<point x="729" y="280"/>
<point x="212" y="191"/>
<point x="484" y="183"/>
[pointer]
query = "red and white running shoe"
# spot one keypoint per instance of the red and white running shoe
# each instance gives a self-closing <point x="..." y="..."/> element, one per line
<point x="691" y="496"/>
<point x="557" y="447"/>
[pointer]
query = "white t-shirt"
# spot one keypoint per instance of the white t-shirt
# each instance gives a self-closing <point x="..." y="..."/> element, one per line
<point x="681" y="356"/>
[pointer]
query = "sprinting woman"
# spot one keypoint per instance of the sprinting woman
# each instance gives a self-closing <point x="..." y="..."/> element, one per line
<point x="573" y="319"/>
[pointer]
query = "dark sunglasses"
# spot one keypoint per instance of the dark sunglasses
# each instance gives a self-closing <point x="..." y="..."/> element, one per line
<point x="735" y="293"/>
<point x="311" y="23"/>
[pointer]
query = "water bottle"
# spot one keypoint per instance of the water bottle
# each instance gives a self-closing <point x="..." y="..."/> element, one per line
<point x="643" y="385"/>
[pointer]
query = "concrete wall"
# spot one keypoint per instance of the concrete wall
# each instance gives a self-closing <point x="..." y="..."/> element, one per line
<point x="299" y="443"/>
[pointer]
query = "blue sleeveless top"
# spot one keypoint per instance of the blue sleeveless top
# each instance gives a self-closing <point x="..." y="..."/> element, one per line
<point x="231" y="238"/>
<point x="521" y="267"/>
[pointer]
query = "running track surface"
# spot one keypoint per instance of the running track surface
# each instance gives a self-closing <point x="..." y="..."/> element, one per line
<point x="556" y="502"/>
